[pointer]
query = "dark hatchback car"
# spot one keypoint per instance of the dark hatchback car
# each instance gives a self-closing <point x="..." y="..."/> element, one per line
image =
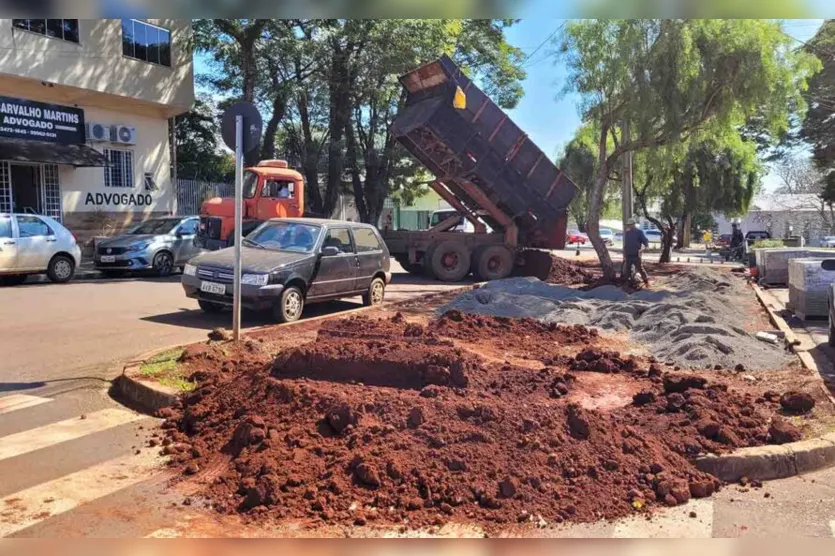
<point x="287" y="263"/>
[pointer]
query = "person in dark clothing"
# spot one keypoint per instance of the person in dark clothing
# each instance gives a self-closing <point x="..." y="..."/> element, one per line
<point x="737" y="242"/>
<point x="633" y="240"/>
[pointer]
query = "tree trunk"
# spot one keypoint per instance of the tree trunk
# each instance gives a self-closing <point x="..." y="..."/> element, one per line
<point x="279" y="109"/>
<point x="310" y="162"/>
<point x="595" y="208"/>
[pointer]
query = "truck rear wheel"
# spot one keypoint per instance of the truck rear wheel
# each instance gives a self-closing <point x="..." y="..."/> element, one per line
<point x="492" y="262"/>
<point x="449" y="260"/>
<point x="411" y="268"/>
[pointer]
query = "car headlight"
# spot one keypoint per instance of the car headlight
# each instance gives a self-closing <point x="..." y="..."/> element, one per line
<point x="141" y="246"/>
<point x="190" y="270"/>
<point x="255" y="279"/>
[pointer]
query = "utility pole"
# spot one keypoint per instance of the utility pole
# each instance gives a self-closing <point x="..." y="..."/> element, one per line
<point x="626" y="180"/>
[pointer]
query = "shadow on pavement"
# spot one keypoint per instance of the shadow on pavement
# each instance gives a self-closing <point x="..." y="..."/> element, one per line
<point x="195" y="318"/>
<point x="18" y="386"/>
<point x="36" y="282"/>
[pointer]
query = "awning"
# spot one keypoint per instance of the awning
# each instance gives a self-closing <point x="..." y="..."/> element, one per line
<point x="22" y="150"/>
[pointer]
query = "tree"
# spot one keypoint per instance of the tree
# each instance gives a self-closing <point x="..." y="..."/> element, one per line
<point x="330" y="87"/>
<point x="705" y="175"/>
<point x="817" y="126"/>
<point x="195" y="137"/>
<point x="798" y="175"/>
<point x="671" y="79"/>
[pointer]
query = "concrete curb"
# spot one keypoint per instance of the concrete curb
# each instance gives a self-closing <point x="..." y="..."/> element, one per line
<point x="771" y="462"/>
<point x="776" y="320"/>
<point x="151" y="396"/>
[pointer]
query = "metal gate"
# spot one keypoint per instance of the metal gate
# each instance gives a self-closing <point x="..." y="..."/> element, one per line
<point x="46" y="184"/>
<point x="5" y="187"/>
<point x="192" y="193"/>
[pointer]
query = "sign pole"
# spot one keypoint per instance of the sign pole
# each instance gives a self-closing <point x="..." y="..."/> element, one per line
<point x="239" y="201"/>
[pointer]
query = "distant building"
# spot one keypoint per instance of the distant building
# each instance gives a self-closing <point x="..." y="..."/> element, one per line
<point x="85" y="106"/>
<point x="784" y="215"/>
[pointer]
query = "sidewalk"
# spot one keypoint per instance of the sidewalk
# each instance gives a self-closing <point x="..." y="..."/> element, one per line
<point x="813" y="335"/>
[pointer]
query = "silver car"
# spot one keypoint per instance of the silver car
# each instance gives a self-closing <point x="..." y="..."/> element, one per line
<point x="35" y="244"/>
<point x="158" y="244"/>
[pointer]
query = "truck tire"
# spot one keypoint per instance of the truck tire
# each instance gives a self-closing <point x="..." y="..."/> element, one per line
<point x="449" y="260"/>
<point x="492" y="262"/>
<point x="411" y="268"/>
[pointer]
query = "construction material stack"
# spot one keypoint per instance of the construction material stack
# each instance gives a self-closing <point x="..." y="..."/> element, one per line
<point x="486" y="168"/>
<point x="809" y="288"/>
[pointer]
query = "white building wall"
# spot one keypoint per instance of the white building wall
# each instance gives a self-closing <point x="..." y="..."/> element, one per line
<point x="83" y="189"/>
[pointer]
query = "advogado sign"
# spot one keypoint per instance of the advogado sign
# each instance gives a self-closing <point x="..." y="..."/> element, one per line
<point x="38" y="121"/>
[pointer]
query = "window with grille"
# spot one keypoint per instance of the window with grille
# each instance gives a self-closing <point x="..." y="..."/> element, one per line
<point x="119" y="172"/>
<point x="146" y="42"/>
<point x="64" y="29"/>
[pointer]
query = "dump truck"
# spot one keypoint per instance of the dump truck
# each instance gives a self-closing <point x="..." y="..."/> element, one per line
<point x="270" y="189"/>
<point x="485" y="168"/>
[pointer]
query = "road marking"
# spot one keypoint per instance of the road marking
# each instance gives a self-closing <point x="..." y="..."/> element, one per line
<point x="670" y="523"/>
<point x="832" y="526"/>
<point x="33" y="505"/>
<point x="20" y="401"/>
<point x="62" y="431"/>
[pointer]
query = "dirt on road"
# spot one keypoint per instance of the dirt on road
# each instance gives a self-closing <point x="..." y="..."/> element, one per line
<point x="408" y="422"/>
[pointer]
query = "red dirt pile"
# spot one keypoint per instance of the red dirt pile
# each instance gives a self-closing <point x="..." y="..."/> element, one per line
<point x="554" y="270"/>
<point x="382" y="422"/>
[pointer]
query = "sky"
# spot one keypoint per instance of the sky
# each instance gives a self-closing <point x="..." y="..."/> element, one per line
<point x="550" y="117"/>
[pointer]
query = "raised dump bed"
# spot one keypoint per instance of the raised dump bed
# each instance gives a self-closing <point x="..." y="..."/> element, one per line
<point x="809" y="288"/>
<point x="486" y="168"/>
<point x="773" y="263"/>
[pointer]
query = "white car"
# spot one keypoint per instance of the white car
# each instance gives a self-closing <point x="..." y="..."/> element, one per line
<point x="607" y="235"/>
<point x="35" y="244"/>
<point x="828" y="241"/>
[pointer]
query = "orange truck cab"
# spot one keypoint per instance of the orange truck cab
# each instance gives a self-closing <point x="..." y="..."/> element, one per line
<point x="270" y="190"/>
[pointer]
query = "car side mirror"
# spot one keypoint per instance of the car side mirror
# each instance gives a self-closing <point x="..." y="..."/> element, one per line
<point x="330" y="251"/>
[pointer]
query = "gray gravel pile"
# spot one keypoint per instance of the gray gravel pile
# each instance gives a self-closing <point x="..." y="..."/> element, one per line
<point x="695" y="322"/>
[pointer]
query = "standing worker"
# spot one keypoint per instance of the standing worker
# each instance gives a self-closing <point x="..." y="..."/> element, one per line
<point x="737" y="242"/>
<point x="633" y="240"/>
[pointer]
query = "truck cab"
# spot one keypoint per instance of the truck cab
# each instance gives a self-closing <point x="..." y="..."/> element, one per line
<point x="270" y="190"/>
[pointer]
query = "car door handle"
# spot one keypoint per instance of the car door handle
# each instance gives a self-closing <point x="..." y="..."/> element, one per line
<point x="9" y="242"/>
<point x="51" y="239"/>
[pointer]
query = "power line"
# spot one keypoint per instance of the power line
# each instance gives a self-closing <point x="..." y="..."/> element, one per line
<point x="547" y="39"/>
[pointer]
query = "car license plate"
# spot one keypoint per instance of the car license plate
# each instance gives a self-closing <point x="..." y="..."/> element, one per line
<point x="108" y="258"/>
<point x="211" y="287"/>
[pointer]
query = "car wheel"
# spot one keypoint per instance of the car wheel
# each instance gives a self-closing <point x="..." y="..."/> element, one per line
<point x="163" y="263"/>
<point x="61" y="269"/>
<point x="375" y="294"/>
<point x="12" y="279"/>
<point x="210" y="306"/>
<point x="290" y="305"/>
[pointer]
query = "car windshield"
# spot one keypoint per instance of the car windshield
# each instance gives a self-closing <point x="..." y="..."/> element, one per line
<point x="250" y="184"/>
<point x="156" y="226"/>
<point x="285" y="236"/>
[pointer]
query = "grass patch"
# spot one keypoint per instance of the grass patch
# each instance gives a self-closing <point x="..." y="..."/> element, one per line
<point x="165" y="369"/>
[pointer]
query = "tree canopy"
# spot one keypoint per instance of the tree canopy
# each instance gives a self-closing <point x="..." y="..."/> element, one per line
<point x="329" y="91"/>
<point x="673" y="79"/>
<point x="818" y="128"/>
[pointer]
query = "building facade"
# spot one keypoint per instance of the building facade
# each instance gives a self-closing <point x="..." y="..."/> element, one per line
<point x="85" y="107"/>
<point x="786" y="215"/>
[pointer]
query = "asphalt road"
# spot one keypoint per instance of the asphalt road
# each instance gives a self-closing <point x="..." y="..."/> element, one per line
<point x="85" y="329"/>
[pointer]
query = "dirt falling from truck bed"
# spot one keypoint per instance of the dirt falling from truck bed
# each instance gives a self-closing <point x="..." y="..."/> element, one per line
<point x="556" y="270"/>
<point x="391" y="423"/>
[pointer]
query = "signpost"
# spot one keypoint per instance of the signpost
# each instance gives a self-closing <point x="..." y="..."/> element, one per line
<point x="240" y="128"/>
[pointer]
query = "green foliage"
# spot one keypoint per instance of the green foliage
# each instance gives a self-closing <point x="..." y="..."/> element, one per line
<point x="767" y="243"/>
<point x="165" y="369"/>
<point x="198" y="156"/>
<point x="329" y="91"/>
<point x="673" y="80"/>
<point x="818" y="128"/>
